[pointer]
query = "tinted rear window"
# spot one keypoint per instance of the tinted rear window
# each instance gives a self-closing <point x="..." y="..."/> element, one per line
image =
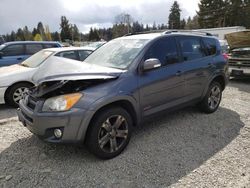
<point x="210" y="46"/>
<point x="191" y="48"/>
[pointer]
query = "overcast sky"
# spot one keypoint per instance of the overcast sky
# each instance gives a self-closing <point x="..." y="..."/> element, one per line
<point x="85" y="13"/>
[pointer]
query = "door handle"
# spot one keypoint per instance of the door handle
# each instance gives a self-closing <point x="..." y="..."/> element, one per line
<point x="19" y="58"/>
<point x="178" y="73"/>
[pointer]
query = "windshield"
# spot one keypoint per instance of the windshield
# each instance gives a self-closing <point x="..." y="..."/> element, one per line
<point x="36" y="59"/>
<point x="117" y="53"/>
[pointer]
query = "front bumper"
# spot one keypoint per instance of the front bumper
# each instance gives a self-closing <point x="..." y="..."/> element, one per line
<point x="43" y="124"/>
<point x="2" y="92"/>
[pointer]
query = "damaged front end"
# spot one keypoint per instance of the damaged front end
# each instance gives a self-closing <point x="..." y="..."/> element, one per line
<point x="52" y="110"/>
<point x="49" y="89"/>
<point x="61" y="95"/>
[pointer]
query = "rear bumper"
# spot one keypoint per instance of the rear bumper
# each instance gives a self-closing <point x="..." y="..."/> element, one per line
<point x="239" y="71"/>
<point x="2" y="93"/>
<point x="43" y="124"/>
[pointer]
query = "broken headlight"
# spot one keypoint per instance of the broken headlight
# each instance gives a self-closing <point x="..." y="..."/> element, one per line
<point x="61" y="103"/>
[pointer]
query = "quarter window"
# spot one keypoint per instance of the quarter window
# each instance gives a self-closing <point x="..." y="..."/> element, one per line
<point x="83" y="54"/>
<point x="13" y="50"/>
<point x="165" y="50"/>
<point x="191" y="48"/>
<point x="210" y="45"/>
<point x="68" y="54"/>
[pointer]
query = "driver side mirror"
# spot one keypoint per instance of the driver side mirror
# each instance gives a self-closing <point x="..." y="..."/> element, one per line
<point x="1" y="55"/>
<point x="151" y="64"/>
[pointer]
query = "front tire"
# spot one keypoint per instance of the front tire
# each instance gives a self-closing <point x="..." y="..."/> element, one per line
<point x="109" y="133"/>
<point x="15" y="93"/>
<point x="211" y="101"/>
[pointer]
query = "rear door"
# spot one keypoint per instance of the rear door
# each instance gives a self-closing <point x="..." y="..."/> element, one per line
<point x="195" y="65"/>
<point x="162" y="88"/>
<point x="12" y="54"/>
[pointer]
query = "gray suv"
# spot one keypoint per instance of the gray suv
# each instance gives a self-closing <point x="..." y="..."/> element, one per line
<point x="128" y="79"/>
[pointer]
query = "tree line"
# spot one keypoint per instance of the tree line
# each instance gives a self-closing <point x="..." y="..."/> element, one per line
<point x="216" y="13"/>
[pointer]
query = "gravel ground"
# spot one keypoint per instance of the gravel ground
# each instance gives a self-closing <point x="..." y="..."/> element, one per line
<point x="183" y="149"/>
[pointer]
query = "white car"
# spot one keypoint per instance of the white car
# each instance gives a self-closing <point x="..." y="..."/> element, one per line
<point x="16" y="79"/>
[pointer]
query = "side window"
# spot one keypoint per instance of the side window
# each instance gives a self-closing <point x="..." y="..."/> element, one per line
<point x="83" y="54"/>
<point x="50" y="45"/>
<point x="33" y="48"/>
<point x="191" y="48"/>
<point x="13" y="50"/>
<point x="68" y="54"/>
<point x="210" y="46"/>
<point x="165" y="50"/>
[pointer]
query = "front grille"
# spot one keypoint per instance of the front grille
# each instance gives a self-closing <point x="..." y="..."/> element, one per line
<point x="239" y="62"/>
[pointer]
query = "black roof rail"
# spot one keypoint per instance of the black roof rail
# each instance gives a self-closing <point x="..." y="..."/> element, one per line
<point x="188" y="31"/>
<point x="170" y="31"/>
<point x="145" y="32"/>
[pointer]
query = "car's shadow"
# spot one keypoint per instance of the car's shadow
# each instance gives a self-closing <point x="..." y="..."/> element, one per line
<point x="7" y="112"/>
<point x="159" y="154"/>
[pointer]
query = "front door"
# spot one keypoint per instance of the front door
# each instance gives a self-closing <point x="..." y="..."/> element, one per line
<point x="12" y="54"/>
<point x="162" y="88"/>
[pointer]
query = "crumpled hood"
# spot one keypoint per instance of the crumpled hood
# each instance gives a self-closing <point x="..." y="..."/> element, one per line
<point x="239" y="39"/>
<point x="57" y="68"/>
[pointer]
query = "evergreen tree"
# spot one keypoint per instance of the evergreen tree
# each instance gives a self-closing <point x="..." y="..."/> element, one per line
<point x="65" y="29"/>
<point x="192" y="23"/>
<point x="119" y="30"/>
<point x="183" y="24"/>
<point x="94" y="35"/>
<point x="20" y="35"/>
<point x="174" y="19"/>
<point x="75" y="32"/>
<point x="212" y="13"/>
<point x="136" y="27"/>
<point x="34" y="32"/>
<point x="41" y="31"/>
<point x="27" y="34"/>
<point x="237" y="12"/>
<point x="55" y="36"/>
<point x="154" y="26"/>
<point x="13" y="36"/>
<point x="246" y="9"/>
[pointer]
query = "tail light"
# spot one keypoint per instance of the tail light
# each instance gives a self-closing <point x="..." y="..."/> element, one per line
<point x="226" y="56"/>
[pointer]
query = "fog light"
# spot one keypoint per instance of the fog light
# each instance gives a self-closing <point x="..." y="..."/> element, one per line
<point x="58" y="133"/>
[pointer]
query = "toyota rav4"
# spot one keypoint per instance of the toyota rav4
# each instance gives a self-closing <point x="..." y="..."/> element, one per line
<point x="99" y="102"/>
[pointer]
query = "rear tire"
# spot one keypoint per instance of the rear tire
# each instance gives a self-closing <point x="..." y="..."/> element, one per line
<point x="211" y="101"/>
<point x="109" y="133"/>
<point x="15" y="93"/>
